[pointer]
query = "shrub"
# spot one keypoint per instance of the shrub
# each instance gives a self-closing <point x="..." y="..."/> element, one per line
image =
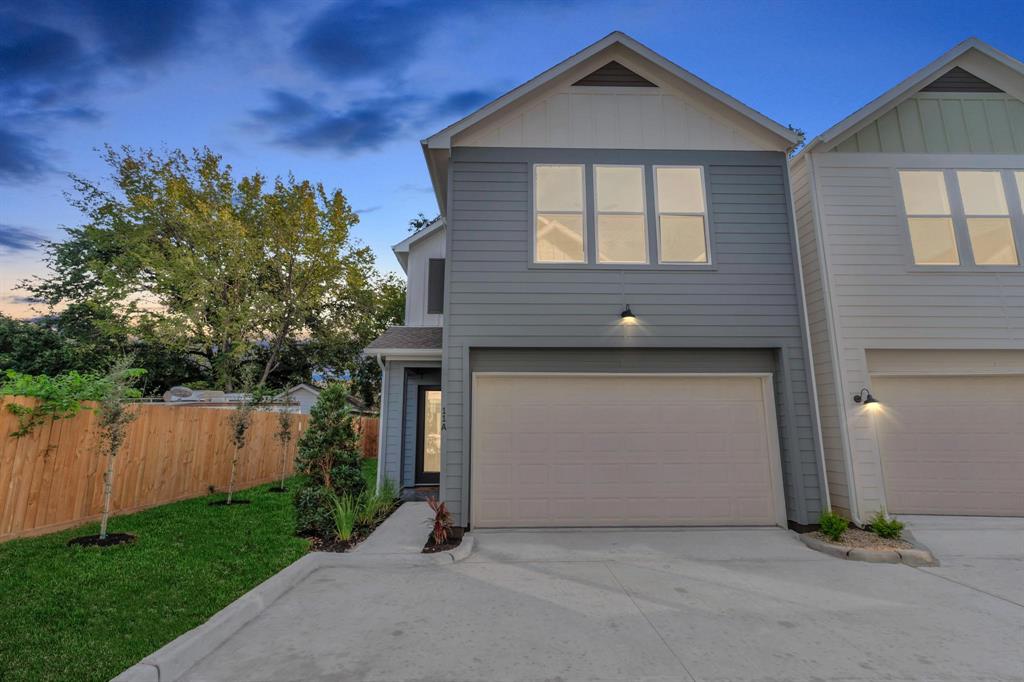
<point x="442" y="521"/>
<point x="328" y="456"/>
<point x="345" y="511"/>
<point x="885" y="527"/>
<point x="833" y="525"/>
<point x="373" y="507"/>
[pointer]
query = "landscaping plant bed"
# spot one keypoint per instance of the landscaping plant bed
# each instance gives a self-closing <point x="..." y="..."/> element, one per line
<point x="334" y="544"/>
<point x="855" y="538"/>
<point x="454" y="540"/>
<point x="97" y="541"/>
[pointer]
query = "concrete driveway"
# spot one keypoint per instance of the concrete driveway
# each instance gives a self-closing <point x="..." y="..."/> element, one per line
<point x="744" y="604"/>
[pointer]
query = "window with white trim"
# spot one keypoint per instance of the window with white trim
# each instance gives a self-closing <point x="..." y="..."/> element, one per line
<point x="988" y="217"/>
<point x="559" y="223"/>
<point x="932" y="236"/>
<point x="682" y="214"/>
<point x="621" y="215"/>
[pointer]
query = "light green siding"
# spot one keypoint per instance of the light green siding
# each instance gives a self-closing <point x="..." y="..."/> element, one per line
<point x="943" y="123"/>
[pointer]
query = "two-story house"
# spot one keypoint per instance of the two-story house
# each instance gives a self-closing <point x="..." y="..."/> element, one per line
<point x="911" y="227"/>
<point x="606" y="327"/>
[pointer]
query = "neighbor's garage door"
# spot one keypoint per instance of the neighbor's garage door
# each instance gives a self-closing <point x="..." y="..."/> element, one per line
<point x="623" y="450"/>
<point x="952" y="445"/>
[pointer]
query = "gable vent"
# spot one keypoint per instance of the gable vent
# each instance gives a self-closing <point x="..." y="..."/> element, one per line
<point x="959" y="80"/>
<point x="616" y="75"/>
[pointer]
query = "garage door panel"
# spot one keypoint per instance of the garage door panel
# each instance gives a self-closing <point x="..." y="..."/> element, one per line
<point x="621" y="450"/>
<point x="952" y="445"/>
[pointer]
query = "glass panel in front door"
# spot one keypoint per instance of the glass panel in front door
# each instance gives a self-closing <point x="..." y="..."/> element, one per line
<point x="431" y="432"/>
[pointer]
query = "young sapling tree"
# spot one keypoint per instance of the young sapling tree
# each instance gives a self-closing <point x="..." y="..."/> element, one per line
<point x="115" y="413"/>
<point x="241" y="420"/>
<point x="283" y="436"/>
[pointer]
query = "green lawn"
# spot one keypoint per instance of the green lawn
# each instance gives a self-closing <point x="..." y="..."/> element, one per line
<point x="72" y="613"/>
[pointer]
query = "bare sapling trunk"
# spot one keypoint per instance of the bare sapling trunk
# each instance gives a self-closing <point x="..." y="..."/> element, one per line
<point x="114" y="417"/>
<point x="108" y="487"/>
<point x="231" y="480"/>
<point x="284" y="435"/>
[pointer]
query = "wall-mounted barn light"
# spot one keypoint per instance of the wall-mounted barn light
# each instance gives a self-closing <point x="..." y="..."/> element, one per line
<point x="627" y="314"/>
<point x="864" y="397"/>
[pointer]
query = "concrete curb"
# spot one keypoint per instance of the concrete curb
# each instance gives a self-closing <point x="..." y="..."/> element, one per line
<point x="918" y="556"/>
<point x="171" y="661"/>
<point x="461" y="552"/>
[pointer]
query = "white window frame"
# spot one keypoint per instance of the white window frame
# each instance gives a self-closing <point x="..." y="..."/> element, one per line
<point x="952" y="201"/>
<point x="958" y="214"/>
<point x="1007" y="199"/>
<point x="582" y="213"/>
<point x="598" y="213"/>
<point x="707" y="222"/>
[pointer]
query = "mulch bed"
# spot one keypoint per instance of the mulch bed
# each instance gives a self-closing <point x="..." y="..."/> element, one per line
<point x="862" y="539"/>
<point x="95" y="541"/>
<point x="224" y="503"/>
<point x="318" y="544"/>
<point x="454" y="540"/>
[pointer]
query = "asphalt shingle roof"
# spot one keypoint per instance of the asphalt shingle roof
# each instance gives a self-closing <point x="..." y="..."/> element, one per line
<point x="408" y="337"/>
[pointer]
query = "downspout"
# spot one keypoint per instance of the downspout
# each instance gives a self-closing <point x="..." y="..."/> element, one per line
<point x="380" y="421"/>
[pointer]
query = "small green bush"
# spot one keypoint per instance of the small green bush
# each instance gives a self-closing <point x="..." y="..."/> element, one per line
<point x="833" y="525"/>
<point x="885" y="527"/>
<point x="329" y="457"/>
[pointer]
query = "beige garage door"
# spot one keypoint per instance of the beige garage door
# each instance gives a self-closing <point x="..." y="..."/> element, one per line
<point x="952" y="445"/>
<point x="623" y="450"/>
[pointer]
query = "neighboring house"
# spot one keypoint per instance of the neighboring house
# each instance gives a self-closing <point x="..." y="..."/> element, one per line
<point x="911" y="226"/>
<point x="606" y="326"/>
<point x="302" y="395"/>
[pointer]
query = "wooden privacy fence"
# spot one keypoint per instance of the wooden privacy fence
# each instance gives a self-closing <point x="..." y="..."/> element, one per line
<point x="368" y="429"/>
<point x="52" y="478"/>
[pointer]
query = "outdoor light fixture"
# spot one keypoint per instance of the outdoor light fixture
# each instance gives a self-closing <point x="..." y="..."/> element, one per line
<point x="864" y="397"/>
<point x="627" y="314"/>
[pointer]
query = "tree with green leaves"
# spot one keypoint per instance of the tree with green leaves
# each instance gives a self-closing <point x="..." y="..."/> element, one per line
<point x="114" y="415"/>
<point x="330" y="461"/>
<point x="229" y="270"/>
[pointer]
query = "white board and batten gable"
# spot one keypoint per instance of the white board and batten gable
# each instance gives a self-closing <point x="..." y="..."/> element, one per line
<point x="414" y="253"/>
<point x="562" y="108"/>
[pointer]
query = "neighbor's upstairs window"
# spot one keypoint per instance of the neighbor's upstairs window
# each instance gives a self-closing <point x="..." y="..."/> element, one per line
<point x="926" y="201"/>
<point x="988" y="217"/>
<point x="621" y="221"/>
<point x="682" y="214"/>
<point x="559" y="226"/>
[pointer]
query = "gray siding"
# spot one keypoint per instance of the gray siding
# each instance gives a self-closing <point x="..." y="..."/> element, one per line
<point x="821" y="335"/>
<point x="399" y="404"/>
<point x="747" y="299"/>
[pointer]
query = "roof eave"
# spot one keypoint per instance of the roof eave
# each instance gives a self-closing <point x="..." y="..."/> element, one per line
<point x="911" y="83"/>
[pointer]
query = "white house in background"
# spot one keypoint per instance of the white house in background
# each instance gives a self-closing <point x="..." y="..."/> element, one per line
<point x="910" y="214"/>
<point x="304" y="395"/>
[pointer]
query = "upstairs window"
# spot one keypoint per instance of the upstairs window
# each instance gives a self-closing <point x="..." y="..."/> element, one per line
<point x="988" y="217"/>
<point x="1019" y="177"/>
<point x="926" y="201"/>
<point x="621" y="221"/>
<point x="558" y="219"/>
<point x="682" y="214"/>
<point x="435" y="286"/>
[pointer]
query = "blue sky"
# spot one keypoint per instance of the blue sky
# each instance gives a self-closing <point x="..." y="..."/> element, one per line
<point x="341" y="92"/>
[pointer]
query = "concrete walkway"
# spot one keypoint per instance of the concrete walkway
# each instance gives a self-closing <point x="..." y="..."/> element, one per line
<point x="403" y="533"/>
<point x="656" y="605"/>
